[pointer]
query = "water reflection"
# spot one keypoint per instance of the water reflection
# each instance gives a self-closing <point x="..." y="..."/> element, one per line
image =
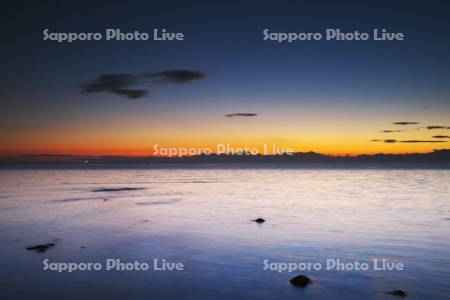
<point x="203" y="217"/>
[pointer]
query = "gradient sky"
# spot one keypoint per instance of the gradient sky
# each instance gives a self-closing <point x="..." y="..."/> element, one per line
<point x="325" y="96"/>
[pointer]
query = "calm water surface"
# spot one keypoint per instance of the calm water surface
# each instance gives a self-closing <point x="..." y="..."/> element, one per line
<point x="202" y="218"/>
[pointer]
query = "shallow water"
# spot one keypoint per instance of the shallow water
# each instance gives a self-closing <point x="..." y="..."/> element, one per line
<point x="202" y="218"/>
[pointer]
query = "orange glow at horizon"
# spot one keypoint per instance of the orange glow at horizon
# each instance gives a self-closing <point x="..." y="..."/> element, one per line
<point x="334" y="132"/>
<point x="119" y="149"/>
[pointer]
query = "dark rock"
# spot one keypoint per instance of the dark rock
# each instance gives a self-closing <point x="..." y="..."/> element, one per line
<point x="259" y="220"/>
<point x="399" y="293"/>
<point x="300" y="281"/>
<point x="83" y="247"/>
<point x="41" y="248"/>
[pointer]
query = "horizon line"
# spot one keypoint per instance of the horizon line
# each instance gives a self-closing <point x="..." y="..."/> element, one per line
<point x="214" y="154"/>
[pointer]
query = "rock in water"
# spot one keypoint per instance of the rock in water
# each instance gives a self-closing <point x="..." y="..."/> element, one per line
<point x="259" y="220"/>
<point x="41" y="248"/>
<point x="300" y="280"/>
<point x="399" y="293"/>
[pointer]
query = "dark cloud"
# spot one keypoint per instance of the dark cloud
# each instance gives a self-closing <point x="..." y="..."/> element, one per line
<point x="241" y="115"/>
<point x="421" y="141"/>
<point x="132" y="94"/>
<point x="441" y="136"/>
<point x="118" y="84"/>
<point x="413" y="141"/>
<point x="414" y="129"/>
<point x="405" y="123"/>
<point x="121" y="84"/>
<point x="175" y="76"/>
<point x="437" y="127"/>
<point x="388" y="131"/>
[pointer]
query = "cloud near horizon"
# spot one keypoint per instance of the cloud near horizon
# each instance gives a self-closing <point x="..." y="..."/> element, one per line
<point x="389" y="131"/>
<point x="421" y="141"/>
<point x="409" y="141"/>
<point x="121" y="84"/>
<point x="406" y="123"/>
<point x="241" y="115"/>
<point x="436" y="127"/>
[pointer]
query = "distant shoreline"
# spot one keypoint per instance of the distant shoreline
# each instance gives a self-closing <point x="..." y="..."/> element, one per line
<point x="437" y="157"/>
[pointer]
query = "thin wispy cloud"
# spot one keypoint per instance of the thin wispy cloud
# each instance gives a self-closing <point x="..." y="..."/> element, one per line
<point x="392" y="141"/>
<point x="430" y="127"/>
<point x="421" y="141"/>
<point x="436" y="127"/>
<point x="241" y="115"/>
<point x="406" y="123"/>
<point x="390" y="131"/>
<point x="122" y="84"/>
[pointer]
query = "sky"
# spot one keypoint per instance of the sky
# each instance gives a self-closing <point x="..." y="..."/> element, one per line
<point x="333" y="97"/>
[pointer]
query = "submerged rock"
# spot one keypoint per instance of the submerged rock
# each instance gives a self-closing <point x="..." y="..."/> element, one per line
<point x="259" y="220"/>
<point x="41" y="248"/>
<point x="300" y="281"/>
<point x="399" y="293"/>
<point x="117" y="189"/>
